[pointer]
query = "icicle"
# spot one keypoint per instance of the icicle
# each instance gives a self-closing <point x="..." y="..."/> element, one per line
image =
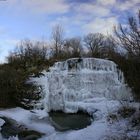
<point x="78" y="79"/>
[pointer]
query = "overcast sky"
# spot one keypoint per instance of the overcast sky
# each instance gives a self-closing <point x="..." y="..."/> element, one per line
<point x="34" y="19"/>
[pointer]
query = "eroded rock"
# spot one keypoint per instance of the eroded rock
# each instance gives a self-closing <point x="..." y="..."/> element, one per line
<point x="13" y="128"/>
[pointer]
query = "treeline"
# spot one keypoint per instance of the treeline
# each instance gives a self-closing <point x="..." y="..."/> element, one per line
<point x="31" y="57"/>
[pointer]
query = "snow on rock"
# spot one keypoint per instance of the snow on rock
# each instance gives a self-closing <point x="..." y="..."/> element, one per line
<point x="71" y="83"/>
<point x="13" y="138"/>
<point x="29" y="119"/>
<point x="1" y="123"/>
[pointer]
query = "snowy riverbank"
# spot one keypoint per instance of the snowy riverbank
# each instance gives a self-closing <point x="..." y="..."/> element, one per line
<point x="92" y="85"/>
<point x="103" y="126"/>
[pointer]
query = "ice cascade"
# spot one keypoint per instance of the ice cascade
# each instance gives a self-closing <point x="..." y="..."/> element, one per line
<point x="72" y="83"/>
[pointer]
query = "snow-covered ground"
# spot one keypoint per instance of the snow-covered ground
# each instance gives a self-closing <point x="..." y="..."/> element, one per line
<point x="93" y="85"/>
<point x="100" y="128"/>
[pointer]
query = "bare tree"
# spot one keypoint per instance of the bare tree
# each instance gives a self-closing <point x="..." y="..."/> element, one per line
<point x="129" y="36"/>
<point x="57" y="36"/>
<point x="73" y="46"/>
<point x="29" y="54"/>
<point x="109" y="47"/>
<point x="94" y="42"/>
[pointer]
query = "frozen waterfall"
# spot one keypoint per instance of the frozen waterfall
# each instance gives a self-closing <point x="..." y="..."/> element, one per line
<point x="70" y="84"/>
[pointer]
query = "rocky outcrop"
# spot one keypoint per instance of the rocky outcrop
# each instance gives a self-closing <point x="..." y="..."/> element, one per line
<point x="12" y="128"/>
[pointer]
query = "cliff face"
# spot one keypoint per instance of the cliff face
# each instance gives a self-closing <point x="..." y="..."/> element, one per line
<point x="72" y="83"/>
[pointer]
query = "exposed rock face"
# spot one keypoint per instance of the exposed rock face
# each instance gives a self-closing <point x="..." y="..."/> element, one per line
<point x="12" y="128"/>
<point x="74" y="82"/>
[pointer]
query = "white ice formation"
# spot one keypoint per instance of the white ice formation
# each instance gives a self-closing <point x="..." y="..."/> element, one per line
<point x="71" y="84"/>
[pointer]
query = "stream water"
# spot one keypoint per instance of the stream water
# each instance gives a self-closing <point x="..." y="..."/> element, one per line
<point x="69" y="121"/>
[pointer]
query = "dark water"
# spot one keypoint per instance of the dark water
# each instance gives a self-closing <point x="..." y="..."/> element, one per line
<point x="66" y="121"/>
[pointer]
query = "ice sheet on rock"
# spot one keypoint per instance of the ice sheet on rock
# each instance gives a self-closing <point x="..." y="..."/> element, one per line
<point x="30" y="119"/>
<point x="80" y="79"/>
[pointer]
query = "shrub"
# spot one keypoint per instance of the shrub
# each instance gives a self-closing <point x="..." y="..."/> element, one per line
<point x="126" y="111"/>
<point x="14" y="89"/>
